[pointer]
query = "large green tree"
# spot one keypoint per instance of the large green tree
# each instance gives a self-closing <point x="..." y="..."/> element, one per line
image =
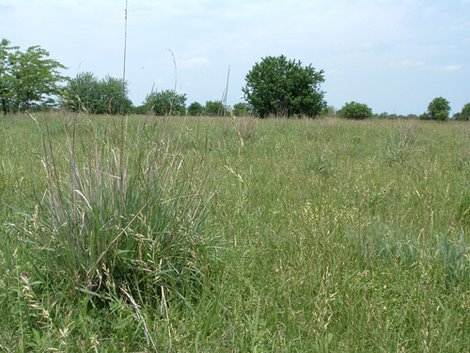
<point x="464" y="114"/>
<point x="7" y="53"/>
<point x="106" y="96"/>
<point x="277" y="86"/>
<point x="438" y="109"/>
<point x="28" y="79"/>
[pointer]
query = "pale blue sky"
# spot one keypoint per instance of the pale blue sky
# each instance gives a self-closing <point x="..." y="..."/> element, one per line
<point x="394" y="56"/>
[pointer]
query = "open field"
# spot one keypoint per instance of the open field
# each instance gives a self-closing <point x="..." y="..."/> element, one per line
<point x="214" y="235"/>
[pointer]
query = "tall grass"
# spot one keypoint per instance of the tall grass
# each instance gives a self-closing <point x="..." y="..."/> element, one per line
<point x="338" y="236"/>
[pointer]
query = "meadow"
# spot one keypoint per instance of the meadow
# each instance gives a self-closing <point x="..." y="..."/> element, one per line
<point x="144" y="234"/>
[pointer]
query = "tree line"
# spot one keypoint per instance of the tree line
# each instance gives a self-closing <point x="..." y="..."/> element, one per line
<point x="276" y="86"/>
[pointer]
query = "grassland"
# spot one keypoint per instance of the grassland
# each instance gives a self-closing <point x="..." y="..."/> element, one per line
<point x="265" y="236"/>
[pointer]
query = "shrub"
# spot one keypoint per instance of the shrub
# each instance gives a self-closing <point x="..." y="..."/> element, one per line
<point x="438" y="109"/>
<point x="86" y="93"/>
<point x="280" y="87"/>
<point x="166" y="103"/>
<point x="464" y="114"/>
<point x="215" y="108"/>
<point x="195" y="109"/>
<point x="241" y="109"/>
<point x="354" y="110"/>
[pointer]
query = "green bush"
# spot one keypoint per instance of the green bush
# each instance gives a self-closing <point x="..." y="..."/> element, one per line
<point x="195" y="109"/>
<point x="215" y="108"/>
<point x="354" y="110"/>
<point x="464" y="114"/>
<point x="85" y="93"/>
<point x="165" y="103"/>
<point x="241" y="109"/>
<point x="438" y="109"/>
<point x="280" y="87"/>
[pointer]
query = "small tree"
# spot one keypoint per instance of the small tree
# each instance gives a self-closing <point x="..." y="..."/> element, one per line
<point x="195" y="109"/>
<point x="438" y="109"/>
<point x="464" y="114"/>
<point x="354" y="110"/>
<point x="281" y="87"/>
<point x="215" y="108"/>
<point x="166" y="103"/>
<point x="86" y="93"/>
<point x="241" y="109"/>
<point x="113" y="96"/>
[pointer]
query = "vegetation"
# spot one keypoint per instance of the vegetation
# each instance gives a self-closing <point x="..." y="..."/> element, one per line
<point x="165" y="103"/>
<point x="354" y="110"/>
<point x="216" y="235"/>
<point x="464" y="114"/>
<point x="280" y="87"/>
<point x="85" y="93"/>
<point x="241" y="109"/>
<point x="28" y="79"/>
<point x="215" y="108"/>
<point x="195" y="109"/>
<point x="438" y="109"/>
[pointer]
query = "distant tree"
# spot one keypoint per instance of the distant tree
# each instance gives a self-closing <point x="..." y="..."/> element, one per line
<point x="280" y="87"/>
<point x="82" y="93"/>
<point x="215" y="108"/>
<point x="354" y="110"/>
<point x="7" y="82"/>
<point x="28" y="79"/>
<point x="195" y="109"/>
<point x="329" y="111"/>
<point x="166" y="103"/>
<point x="438" y="109"/>
<point x="113" y="96"/>
<point x="464" y="114"/>
<point x="37" y="78"/>
<point x="241" y="109"/>
<point x="86" y="93"/>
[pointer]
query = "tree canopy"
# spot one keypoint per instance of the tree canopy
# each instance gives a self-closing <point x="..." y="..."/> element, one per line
<point x="106" y="96"/>
<point x="28" y="79"/>
<point x="438" y="109"/>
<point x="277" y="86"/>
<point x="355" y="110"/>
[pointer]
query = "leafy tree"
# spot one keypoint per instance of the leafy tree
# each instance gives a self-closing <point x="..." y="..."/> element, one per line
<point x="37" y="78"/>
<point x="166" y="103"/>
<point x="7" y="53"/>
<point x="464" y="114"/>
<point x="86" y="93"/>
<point x="281" y="87"/>
<point x="82" y="93"/>
<point x="113" y="97"/>
<point x="215" y="108"/>
<point x="28" y="78"/>
<point x="354" y="110"/>
<point x="438" y="109"/>
<point x="241" y="109"/>
<point x="195" y="109"/>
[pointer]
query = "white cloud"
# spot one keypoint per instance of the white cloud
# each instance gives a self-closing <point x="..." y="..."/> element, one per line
<point x="412" y="63"/>
<point x="452" y="68"/>
<point x="194" y="63"/>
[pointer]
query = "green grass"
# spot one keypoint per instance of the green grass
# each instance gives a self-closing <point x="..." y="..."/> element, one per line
<point x="220" y="235"/>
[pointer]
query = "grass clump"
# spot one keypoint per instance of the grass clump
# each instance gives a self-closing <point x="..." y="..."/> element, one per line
<point x="119" y="222"/>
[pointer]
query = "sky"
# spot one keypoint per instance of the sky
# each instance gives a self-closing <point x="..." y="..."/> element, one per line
<point x="393" y="55"/>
